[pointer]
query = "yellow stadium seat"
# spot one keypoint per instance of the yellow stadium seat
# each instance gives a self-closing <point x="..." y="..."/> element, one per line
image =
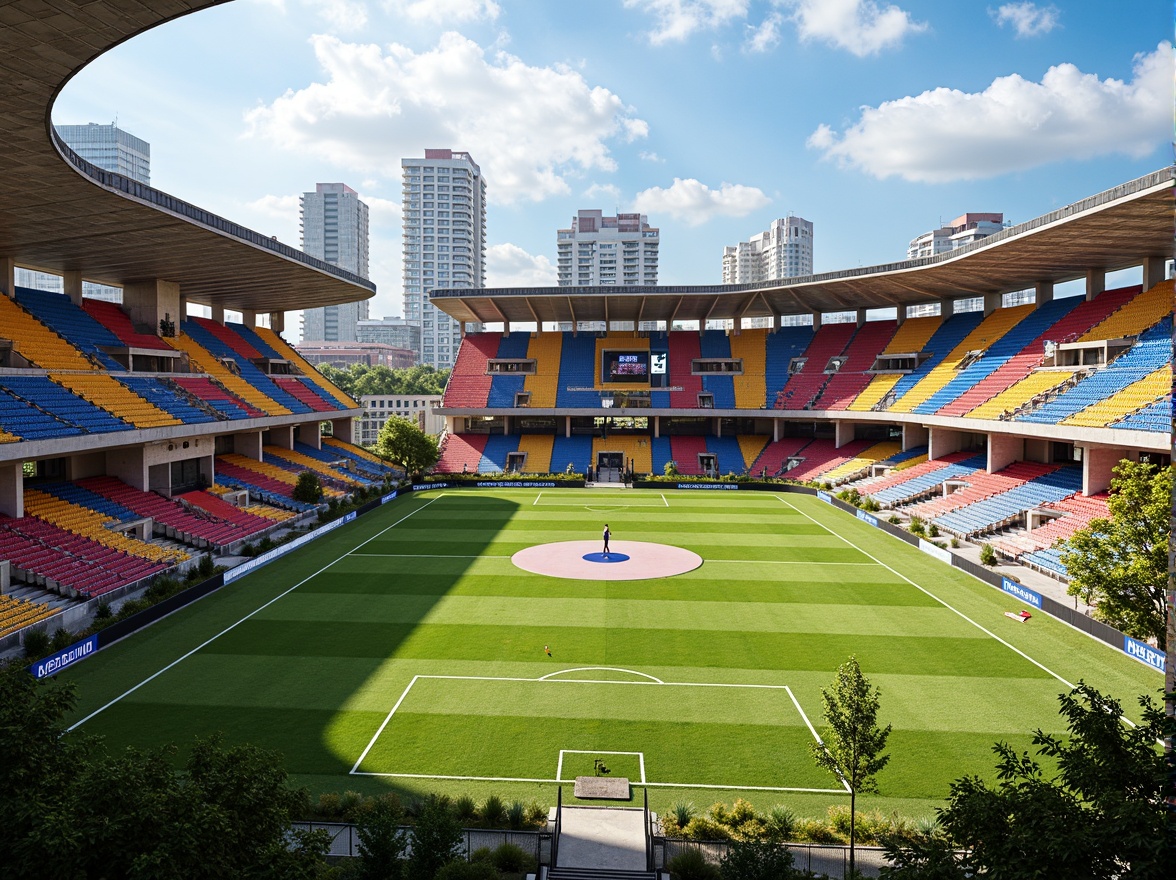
<point x="751" y="387"/>
<point x="207" y="363"/>
<point x="538" y="449"/>
<point x="1020" y="393"/>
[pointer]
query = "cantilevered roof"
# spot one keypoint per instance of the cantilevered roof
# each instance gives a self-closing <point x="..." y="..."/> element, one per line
<point x="1112" y="230"/>
<point x="61" y="214"/>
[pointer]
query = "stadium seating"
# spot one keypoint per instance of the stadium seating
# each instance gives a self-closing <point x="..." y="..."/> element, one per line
<point x="461" y="453"/>
<point x="494" y="453"/>
<point x="365" y="460"/>
<point x="207" y="363"/>
<point x="1135" y="315"/>
<point x="631" y="446"/>
<point x="822" y="456"/>
<point x="36" y="343"/>
<point x="728" y="454"/>
<point x="1157" y="418"/>
<point x="805" y="384"/>
<point x="861" y="462"/>
<point x="231" y="523"/>
<point x="782" y="346"/>
<point x="16" y="614"/>
<point x="750" y="347"/>
<point x="469" y="385"/>
<point x="982" y="485"/>
<point x="299" y="461"/>
<point x="538" y="450"/>
<point x="715" y="344"/>
<point x="70" y="321"/>
<point x="775" y="455"/>
<point x="575" y="450"/>
<point x="286" y="351"/>
<point x="221" y="343"/>
<point x="983" y="335"/>
<point x="22" y="420"/>
<point x="947" y="336"/>
<point x="92" y="524"/>
<point x="1151" y="352"/>
<point x="685" y="348"/>
<point x="1142" y="393"/>
<point x="685" y="451"/>
<point x="505" y="386"/>
<point x="660" y="454"/>
<point x="1078" y="510"/>
<point x="276" y="482"/>
<point x="752" y="446"/>
<point x="211" y="393"/>
<point x="1048" y="560"/>
<point x="545" y="349"/>
<point x="304" y="391"/>
<point x="914" y="482"/>
<point x="168" y="398"/>
<point x="994" y="511"/>
<point x="107" y="392"/>
<point x="62" y="404"/>
<point x="910" y="338"/>
<point x="853" y="377"/>
<point x="114" y="319"/>
<point x="1037" y="385"/>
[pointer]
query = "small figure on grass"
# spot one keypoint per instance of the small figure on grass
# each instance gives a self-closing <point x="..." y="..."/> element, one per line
<point x="547" y="650"/>
<point x="607" y="535"/>
<point x="600" y="769"/>
<point x="1019" y="616"/>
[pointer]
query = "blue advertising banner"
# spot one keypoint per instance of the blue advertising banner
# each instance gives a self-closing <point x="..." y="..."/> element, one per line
<point x="71" y="655"/>
<point x="707" y="486"/>
<point x="422" y="487"/>
<point x="1144" y="653"/>
<point x="868" y="519"/>
<point x="826" y="497"/>
<point x="1026" y="595"/>
<point x="258" y="561"/>
<point x="391" y="496"/>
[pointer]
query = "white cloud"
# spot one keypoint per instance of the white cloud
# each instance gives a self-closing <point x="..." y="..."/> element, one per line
<point x="649" y="156"/>
<point x="278" y="207"/>
<point x="441" y="11"/>
<point x="862" y="27"/>
<point x="766" y="37"/>
<point x="343" y="15"/>
<point x="379" y="105"/>
<point x="1027" y="19"/>
<point x="508" y="265"/>
<point x="695" y="203"/>
<point x="381" y="210"/>
<point x="604" y="193"/>
<point x="1014" y="124"/>
<point x="678" y="19"/>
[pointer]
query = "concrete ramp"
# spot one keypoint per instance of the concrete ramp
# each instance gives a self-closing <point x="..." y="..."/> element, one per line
<point x="602" y="838"/>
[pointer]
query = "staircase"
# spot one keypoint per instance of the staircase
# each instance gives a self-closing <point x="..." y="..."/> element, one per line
<point x="598" y="874"/>
<point x="601" y="843"/>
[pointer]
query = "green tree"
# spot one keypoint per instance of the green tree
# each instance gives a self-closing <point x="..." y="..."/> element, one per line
<point x="382" y="842"/>
<point x="1098" y="812"/>
<point x="853" y="742"/>
<point x="360" y="379"/>
<point x="308" y="489"/>
<point x="756" y="860"/>
<point x="1120" y="565"/>
<point x="436" y="840"/>
<point x="407" y="446"/>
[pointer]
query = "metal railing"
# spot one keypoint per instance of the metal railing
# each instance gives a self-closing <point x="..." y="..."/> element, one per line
<point x="345" y="839"/>
<point x="829" y="860"/>
<point x="648" y="833"/>
<point x="555" y="831"/>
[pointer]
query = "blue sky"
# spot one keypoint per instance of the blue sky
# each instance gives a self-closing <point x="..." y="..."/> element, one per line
<point x="873" y="120"/>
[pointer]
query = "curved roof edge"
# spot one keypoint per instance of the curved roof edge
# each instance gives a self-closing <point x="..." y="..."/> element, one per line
<point x="60" y="213"/>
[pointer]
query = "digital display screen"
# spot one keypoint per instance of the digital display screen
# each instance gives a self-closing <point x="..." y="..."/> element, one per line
<point x="625" y="366"/>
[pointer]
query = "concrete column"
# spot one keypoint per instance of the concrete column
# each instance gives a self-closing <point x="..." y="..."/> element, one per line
<point x="1003" y="450"/>
<point x="901" y="315"/>
<point x="816" y="321"/>
<point x="309" y="433"/>
<point x="775" y="323"/>
<point x="913" y="435"/>
<point x="1043" y="292"/>
<point x="991" y="303"/>
<point x="568" y="427"/>
<point x="946" y="308"/>
<point x="1097" y="464"/>
<point x="217" y="314"/>
<point x="1153" y="271"/>
<point x="343" y="430"/>
<point x="12" y="489"/>
<point x="7" y="276"/>
<point x="775" y="430"/>
<point x="943" y="441"/>
<point x="506" y="328"/>
<point x="248" y="444"/>
<point x="129" y="464"/>
<point x="277" y="321"/>
<point x="149" y="302"/>
<point x="1096" y="283"/>
<point x="718" y="425"/>
<point x="73" y="286"/>
<point x="861" y="317"/>
<point x="282" y="437"/>
<point x="843" y="433"/>
<point x="249" y="319"/>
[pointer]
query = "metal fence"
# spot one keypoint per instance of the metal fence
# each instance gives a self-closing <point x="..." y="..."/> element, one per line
<point x="827" y="859"/>
<point x="345" y="840"/>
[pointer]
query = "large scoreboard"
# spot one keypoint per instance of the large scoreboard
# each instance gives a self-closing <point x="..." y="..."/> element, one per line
<point x="631" y="367"/>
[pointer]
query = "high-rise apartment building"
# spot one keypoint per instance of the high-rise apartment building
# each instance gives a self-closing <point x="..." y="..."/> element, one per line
<point x="963" y="230"/>
<point x="111" y="149"/>
<point x="335" y="229"/>
<point x="444" y="211"/>
<point x="599" y="250"/>
<point x="784" y="250"/>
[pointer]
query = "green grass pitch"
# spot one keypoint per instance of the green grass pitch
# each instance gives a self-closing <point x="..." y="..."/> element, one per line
<point x="405" y="651"/>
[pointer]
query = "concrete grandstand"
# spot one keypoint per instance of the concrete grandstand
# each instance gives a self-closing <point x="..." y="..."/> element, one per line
<point x="135" y="438"/>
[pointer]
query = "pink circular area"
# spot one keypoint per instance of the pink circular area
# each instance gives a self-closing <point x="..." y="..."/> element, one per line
<point x="565" y="560"/>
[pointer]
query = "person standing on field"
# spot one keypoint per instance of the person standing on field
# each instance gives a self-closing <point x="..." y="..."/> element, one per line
<point x="606" y="537"/>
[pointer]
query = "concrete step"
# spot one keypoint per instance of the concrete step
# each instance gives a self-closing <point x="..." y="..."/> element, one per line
<point x="598" y="874"/>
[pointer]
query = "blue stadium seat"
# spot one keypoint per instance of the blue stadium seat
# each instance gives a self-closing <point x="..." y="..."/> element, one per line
<point x="576" y="449"/>
<point x="22" y="419"/>
<point x="1157" y="417"/>
<point x="162" y="395"/>
<point x="63" y="404"/>
<point x="782" y="346"/>
<point x="577" y="369"/>
<point x="947" y="336"/>
<point x="72" y="322"/>
<point x="920" y="484"/>
<point x="249" y="371"/>
<point x="727" y="451"/>
<point x="986" y="515"/>
<point x="716" y="344"/>
<point x="494" y="455"/>
<point x="660" y="453"/>
<point x="75" y="494"/>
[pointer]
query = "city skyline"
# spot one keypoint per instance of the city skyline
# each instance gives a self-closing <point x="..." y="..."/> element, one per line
<point x="910" y="112"/>
<point x="333" y="221"/>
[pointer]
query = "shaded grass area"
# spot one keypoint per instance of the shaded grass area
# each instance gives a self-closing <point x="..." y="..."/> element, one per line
<point x="314" y="674"/>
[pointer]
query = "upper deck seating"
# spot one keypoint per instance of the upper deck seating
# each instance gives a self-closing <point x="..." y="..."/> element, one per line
<point x="853" y="377"/>
<point x="22" y="420"/>
<point x="62" y="404"/>
<point x="103" y="390"/>
<point x="1157" y="418"/>
<point x="206" y="362"/>
<point x="469" y="384"/>
<point x="70" y="321"/>
<point x="1023" y="343"/>
<point x="1136" y="315"/>
<point x="504" y="386"/>
<point x="910" y="338"/>
<point x="984" y="335"/>
<point x="782" y="346"/>
<point x="577" y="369"/>
<point x="716" y="344"/>
<point x="1151" y="352"/>
<point x="218" y="398"/>
<point x="284" y="350"/>
<point x="545" y="349"/>
<point x="685" y="348"/>
<point x="1152" y="388"/>
<point x="947" y="336"/>
<point x="805" y="384"/>
<point x="214" y="343"/>
<point x="167" y="398"/>
<point x="750" y="347"/>
<point x="305" y="392"/>
<point x="36" y="343"/>
<point x="114" y="319"/>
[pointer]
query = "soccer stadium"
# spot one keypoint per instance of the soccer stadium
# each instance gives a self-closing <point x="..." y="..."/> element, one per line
<point x="409" y="648"/>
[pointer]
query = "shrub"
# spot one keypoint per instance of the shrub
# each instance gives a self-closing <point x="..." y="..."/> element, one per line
<point x="671" y="469"/>
<point x="512" y="859"/>
<point x="987" y="555"/>
<point x="691" y="865"/>
<point x="683" y="812"/>
<point x="465" y="809"/>
<point x="493" y="812"/>
<point x="62" y="638"/>
<point x="870" y="505"/>
<point x="756" y="860"/>
<point x="706" y="828"/>
<point x="308" y="489"/>
<point x="248" y="549"/>
<point x="955" y="542"/>
<point x="916" y="526"/>
<point x="536" y="814"/>
<point x="36" y="643"/>
<point x="932" y="531"/>
<point x="894" y="520"/>
<point x="351" y="803"/>
<point x="781" y="823"/>
<point x="815" y="831"/>
<point x="103" y="612"/>
<point x="516" y="815"/>
<point x="330" y="805"/>
<point x="207" y="567"/>
<point x="463" y="870"/>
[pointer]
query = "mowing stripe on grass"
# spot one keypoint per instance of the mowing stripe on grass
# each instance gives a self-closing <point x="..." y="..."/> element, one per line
<point x="152" y="677"/>
<point x="933" y="596"/>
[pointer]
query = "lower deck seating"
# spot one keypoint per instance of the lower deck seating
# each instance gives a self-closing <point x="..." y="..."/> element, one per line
<point x="982" y="485"/>
<point x="494" y="453"/>
<point x="538" y="451"/>
<point x="986" y="515"/>
<point x="685" y="451"/>
<point x="775" y="455"/>
<point x="575" y="450"/>
<point x="862" y="461"/>
<point x="1078" y="511"/>
<point x="16" y="614"/>
<point x="822" y="456"/>
<point x="266" y="477"/>
<point x="728" y="454"/>
<point x="235" y="523"/>
<point x="461" y="453"/>
<point x="752" y="446"/>
<point x="300" y="461"/>
<point x="906" y="485"/>
<point x="360" y="458"/>
<point x="91" y="524"/>
<point x="632" y="447"/>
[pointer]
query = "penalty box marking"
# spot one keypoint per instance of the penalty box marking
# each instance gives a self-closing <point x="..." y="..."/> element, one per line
<point x="562" y="752"/>
<point x="548" y="679"/>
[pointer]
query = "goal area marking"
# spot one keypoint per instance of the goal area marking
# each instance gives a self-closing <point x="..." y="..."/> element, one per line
<point x="645" y="680"/>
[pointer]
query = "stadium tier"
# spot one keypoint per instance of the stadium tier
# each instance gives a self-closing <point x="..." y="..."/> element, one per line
<point x="807" y="382"/>
<point x="854" y="374"/>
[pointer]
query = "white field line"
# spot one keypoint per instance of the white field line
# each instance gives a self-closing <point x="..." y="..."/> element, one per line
<point x="813" y="731"/>
<point x="982" y="629"/>
<point x="783" y="562"/>
<point x="667" y="504"/>
<point x="652" y="678"/>
<point x="207" y="642"/>
<point x="536" y="501"/>
<point x="546" y="679"/>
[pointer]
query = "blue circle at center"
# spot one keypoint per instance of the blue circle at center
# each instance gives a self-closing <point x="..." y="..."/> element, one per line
<point x="605" y="557"/>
